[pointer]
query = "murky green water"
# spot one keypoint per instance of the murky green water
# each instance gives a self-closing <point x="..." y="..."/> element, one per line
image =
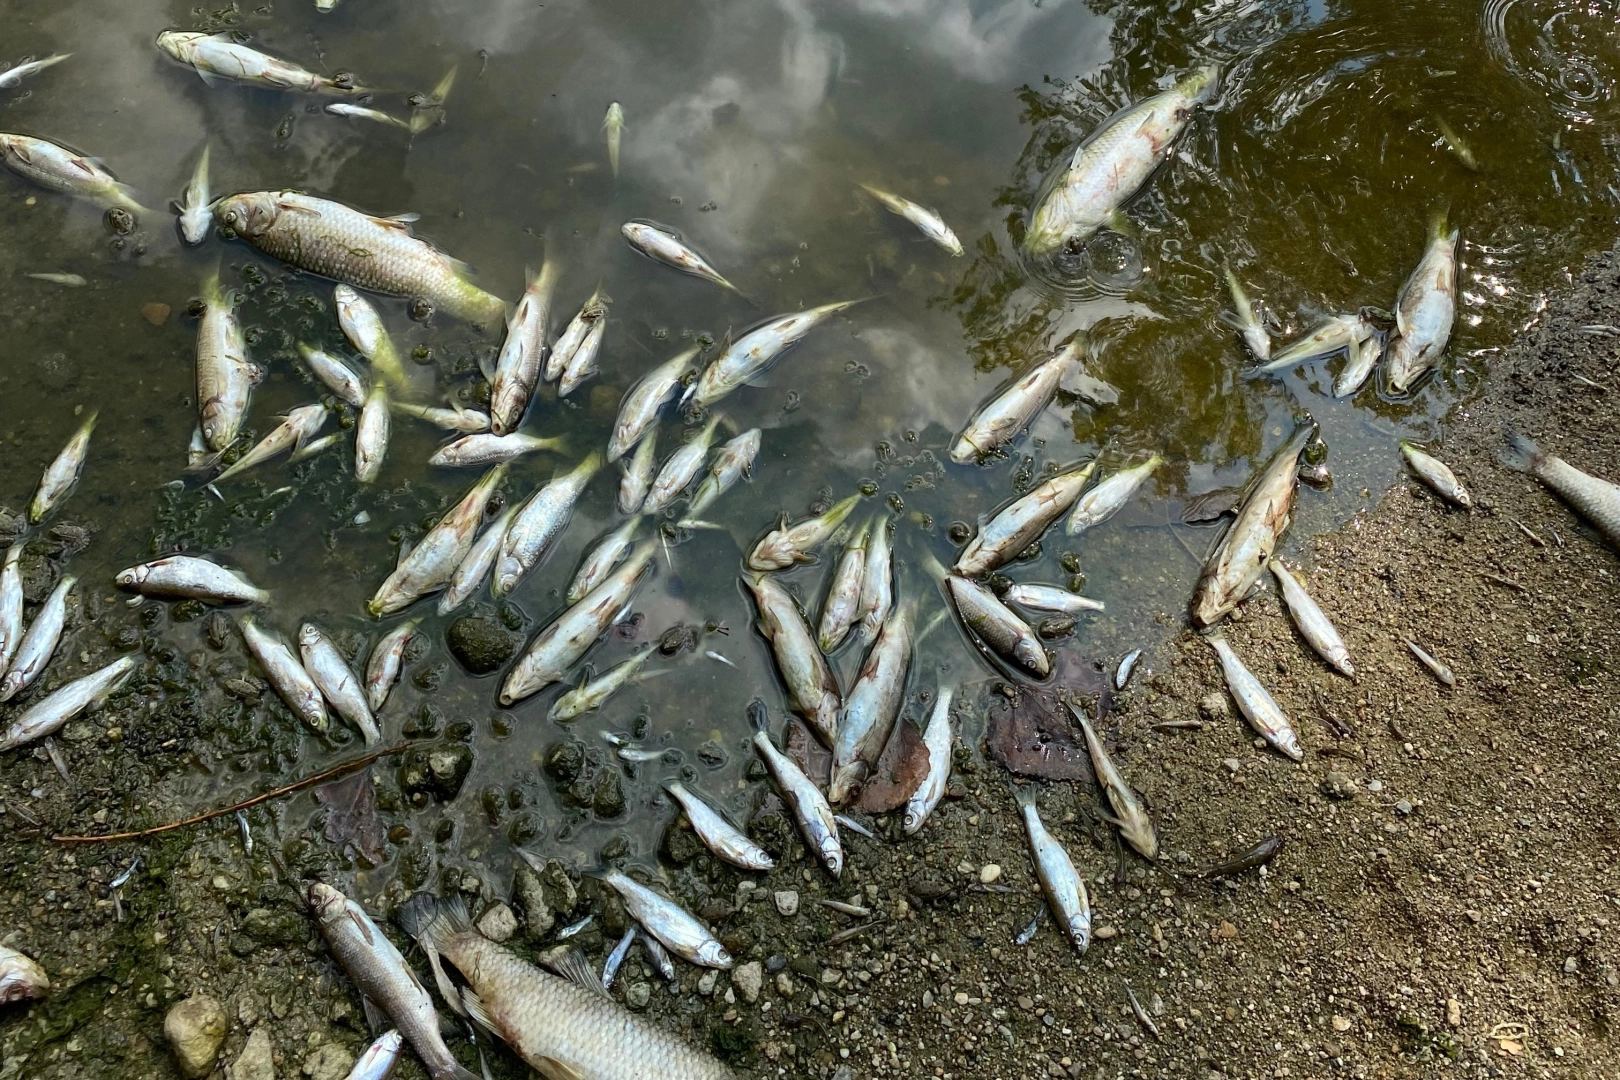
<point x="747" y="127"/>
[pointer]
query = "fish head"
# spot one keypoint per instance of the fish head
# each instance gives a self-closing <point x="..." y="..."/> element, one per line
<point x="1080" y="931"/>
<point x="713" y="954"/>
<point x="832" y="855"/>
<point x="325" y="902"/>
<point x="912" y="822"/>
<point x="250" y="214"/>
<point x="1139" y="833"/>
<point x="1199" y="85"/>
<point x="177" y="43"/>
<point x="20" y="978"/>
<point x="1288" y="743"/>
<point x="131" y="577"/>
<point x="1032" y="654"/>
<point x="308" y="634"/>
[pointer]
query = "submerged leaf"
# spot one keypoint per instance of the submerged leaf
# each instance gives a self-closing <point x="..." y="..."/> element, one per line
<point x="900" y="771"/>
<point x="351" y="815"/>
<point x="1032" y="733"/>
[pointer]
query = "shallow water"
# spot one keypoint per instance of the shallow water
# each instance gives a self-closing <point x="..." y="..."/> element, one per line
<point x="1314" y="174"/>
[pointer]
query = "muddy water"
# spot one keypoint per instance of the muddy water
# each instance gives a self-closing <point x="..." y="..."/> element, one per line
<point x="1314" y="175"/>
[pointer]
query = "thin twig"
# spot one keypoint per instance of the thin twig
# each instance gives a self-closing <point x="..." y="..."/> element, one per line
<point x="1500" y="580"/>
<point x="326" y="774"/>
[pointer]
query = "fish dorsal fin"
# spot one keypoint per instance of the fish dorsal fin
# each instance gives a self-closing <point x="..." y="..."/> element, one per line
<point x="401" y="222"/>
<point x="363" y="925"/>
<point x="552" y="1069"/>
<point x="376" y="1019"/>
<point x="447" y="989"/>
<point x="573" y="966"/>
<point x="474" y="1010"/>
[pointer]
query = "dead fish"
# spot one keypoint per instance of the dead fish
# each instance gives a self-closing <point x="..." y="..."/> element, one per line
<point x="1014" y="407"/>
<point x="841" y="609"/>
<point x="56" y="168"/>
<point x="672" y="925"/>
<point x="1049" y="598"/>
<point x="1595" y="499"/>
<point x="877" y="579"/>
<point x="297" y="427"/>
<point x="1131" y="816"/>
<point x="21" y="979"/>
<point x="663" y="244"/>
<point x="591" y="695"/>
<point x="1013" y="528"/>
<point x="871" y="708"/>
<point x="39" y="642"/>
<point x="225" y="376"/>
<point x="638" y="475"/>
<point x="1437" y="475"/>
<point x="938" y="738"/>
<point x="1027" y="934"/>
<point x="221" y="56"/>
<point x="638" y="412"/>
<point x="573" y="356"/>
<point x="1126" y="666"/>
<point x="1140" y="1013"/>
<point x="809" y="806"/>
<point x="11" y="605"/>
<point x="387" y="660"/>
<point x="1105" y="499"/>
<point x="613" y="124"/>
<point x="658" y="955"/>
<point x="615" y="959"/>
<point x="995" y="625"/>
<point x="720" y="836"/>
<point x="428" y="109"/>
<point x="1255" y="702"/>
<point x="484" y="448"/>
<point x="360" y="112"/>
<point x="748" y="358"/>
<point x="733" y="462"/>
<point x="1439" y="670"/>
<point x="680" y="469"/>
<point x="379" y="1059"/>
<point x="1314" y="625"/>
<point x="52" y="712"/>
<point x="336" y="680"/>
<point x="363" y="325"/>
<point x="538" y="522"/>
<point x="812" y="689"/>
<point x="786" y="545"/>
<point x="337" y="376"/>
<point x="12" y="77"/>
<point x="190" y="577"/>
<point x="72" y="281"/>
<point x="475" y="566"/>
<point x="437" y="559"/>
<point x="286" y="673"/>
<point x="602" y="559"/>
<point x="928" y="221"/>
<point x="371" y="435"/>
<point x="1064" y="888"/>
<point x="1257" y="856"/>
<point x="1424" y="311"/>
<point x="1250" y="327"/>
<point x="62" y="473"/>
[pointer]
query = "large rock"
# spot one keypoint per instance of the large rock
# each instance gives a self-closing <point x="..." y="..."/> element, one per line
<point x="480" y="643"/>
<point x="196" y="1029"/>
<point x="438" y="771"/>
<point x="256" y="1061"/>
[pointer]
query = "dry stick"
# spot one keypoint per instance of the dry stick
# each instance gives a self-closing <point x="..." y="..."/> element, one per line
<point x="326" y="774"/>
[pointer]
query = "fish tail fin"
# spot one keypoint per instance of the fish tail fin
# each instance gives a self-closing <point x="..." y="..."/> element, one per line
<point x="122" y="195"/>
<point x="430" y="921"/>
<point x="759" y="716"/>
<point x="1024" y="795"/>
<point x="457" y="1072"/>
<point x="1522" y="454"/>
<point x="1439" y="226"/>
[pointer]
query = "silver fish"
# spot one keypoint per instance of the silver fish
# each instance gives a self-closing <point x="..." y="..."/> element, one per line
<point x="220" y="56"/>
<point x="1326" y="338"/>
<point x="573" y="338"/>
<point x="337" y="241"/>
<point x="383" y="977"/>
<point x="811" y="686"/>
<point x="475" y="566"/>
<point x="1065" y="890"/>
<point x="1112" y="165"/>
<point x="336" y="375"/>
<point x="1001" y="631"/>
<point x="615" y="959"/>
<point x="590" y="697"/>
<point x="293" y="433"/>
<point x="1595" y="499"/>
<point x="572" y="929"/>
<point x="1027" y="934"/>
<point x="871" y="708"/>
<point x="1133" y="822"/>
<point x="562" y="1027"/>
<point x="1023" y="521"/>
<point x="638" y="412"/>
<point x="363" y="325"/>
<point x="337" y="681"/>
<point x="316" y="446"/>
<point x="522" y="356"/>
<point x="540" y="520"/>
<point x="1256" y="704"/>
<point x="371" y="435"/>
<point x="1436" y="668"/>
<point x="719" y="835"/>
<point x="51" y="713"/>
<point x="360" y="112"/>
<point x="1263" y="517"/>
<point x="613" y="124"/>
<point x="939" y="738"/>
<point x="56" y="168"/>
<point x="39" y="643"/>
<point x="665" y="920"/>
<point x="1105" y="499"/>
<point x="379" y="1059"/>
<point x="196" y="216"/>
<point x="810" y="808"/>
<point x="1049" y="598"/>
<point x="556" y="648"/>
<point x="194" y="578"/>
<point x="582" y="364"/>
<point x="1437" y="475"/>
<point x="658" y="955"/>
<point x="62" y="473"/>
<point x="436" y="559"/>
<point x="455" y="418"/>
<point x="11" y="605"/>
<point x="928" y="221"/>
<point x="225" y="377"/>
<point x="787" y="544"/>
<point x="638" y="475"/>
<point x="386" y="662"/>
<point x="484" y="448"/>
<point x="1365" y="350"/>
<point x="680" y="469"/>
<point x="21" y="979"/>
<point x="282" y="667"/>
<point x="428" y="109"/>
<point x="1424" y="312"/>
<point x="1312" y="621"/>
<point x="607" y="554"/>
<point x="1244" y="320"/>
<point x="877" y="579"/>
<point x="663" y="244"/>
<point x="1127" y="667"/>
<point x="841" y="610"/>
<point x="751" y="355"/>
<point x="72" y="281"/>
<point x="1012" y="409"/>
<point x="733" y="462"/>
<point x="12" y="77"/>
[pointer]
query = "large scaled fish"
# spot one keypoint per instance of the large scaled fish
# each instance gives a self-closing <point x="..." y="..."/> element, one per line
<point x="220" y="56"/>
<point x="57" y="168"/>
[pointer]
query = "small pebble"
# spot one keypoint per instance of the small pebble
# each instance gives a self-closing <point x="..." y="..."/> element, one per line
<point x="787" y="903"/>
<point x="1103" y="933"/>
<point x="989" y="873"/>
<point x="1232" y="764"/>
<point x="1375" y="786"/>
<point x="156" y="314"/>
<point x="1403" y="807"/>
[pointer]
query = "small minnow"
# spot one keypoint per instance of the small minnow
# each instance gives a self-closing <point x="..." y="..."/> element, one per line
<point x="247" y="832"/>
<point x="613" y="124"/>
<point x="616" y="958"/>
<point x="938" y="738"/>
<point x="719" y="835"/>
<point x="675" y="929"/>
<point x="12" y="77"/>
<point x="658" y="955"/>
<point x="1065" y="889"/>
<point x="1126" y="667"/>
<point x="194" y="209"/>
<point x="1440" y="671"/>
<point x="1437" y="475"/>
<point x="591" y="695"/>
<point x="1132" y="819"/>
<point x="62" y="473"/>
<point x="1257" y="856"/>
<point x="928" y="221"/>
<point x="810" y="809"/>
<point x="575" y="928"/>
<point x="854" y="826"/>
<point x="1027" y="934"/>
<point x="360" y="112"/>
<point x="1255" y="702"/>
<point x="1243" y="319"/>
<point x="852" y="910"/>
<point x="1140" y="1013"/>
<point x="1312" y="621"/>
<point x="786" y="545"/>
<point x="71" y="280"/>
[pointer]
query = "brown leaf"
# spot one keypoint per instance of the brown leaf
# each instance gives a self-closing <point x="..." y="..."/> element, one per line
<point x="1033" y="735"/>
<point x="900" y="771"/>
<point x="351" y="815"/>
<point x="806" y="749"/>
<point x="1211" y="505"/>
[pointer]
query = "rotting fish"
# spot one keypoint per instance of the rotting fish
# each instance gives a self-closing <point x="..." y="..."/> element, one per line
<point x="613" y="124"/>
<point x="877" y="579"/>
<point x="997" y="627"/>
<point x="607" y="554"/>
<point x="562" y="1026"/>
<point x="383" y="977"/>
<point x="1122" y="675"/>
<point x="615" y="959"/>
<point x="387" y="660"/>
<point x="287" y="675"/>
<point x="1361" y="360"/>
<point x="812" y="689"/>
<point x="1112" y="165"/>
<point x="1105" y="499"/>
<point x="51" y="713"/>
<point x="733" y="462"/>
<point x="11" y="605"/>
<point x="579" y="331"/>
<point x="362" y="324"/>
<point x="56" y="168"/>
<point x="1257" y="856"/>
<point x="1326" y="338"/>
<point x="667" y="921"/>
<point x="810" y="808"/>
<point x="484" y="448"/>
<point x="928" y="221"/>
<point x="1012" y="529"/>
<point x="12" y="77"/>
<point x="1131" y="816"/>
<point x="1255" y="702"/>
<point x="437" y="558"/>
<point x="680" y="469"/>
<point x="192" y="578"/>
<point x="639" y="410"/>
<point x="297" y="427"/>
<point x="196" y="215"/>
<point x="39" y="642"/>
<point x="225" y="377"/>
<point x="1049" y="598"/>
<point x="720" y="836"/>
<point x="371" y="435"/>
<point x="360" y="112"/>
<point x="62" y="473"/>
<point x="522" y="356"/>
<point x="663" y="244"/>
<point x="1064" y="888"/>
<point x="455" y="418"/>
<point x="841" y="610"/>
<point x="750" y="356"/>
<point x="583" y="361"/>
<point x="871" y="708"/>
<point x="1437" y="475"/>
<point x="1314" y="625"/>
<point x="336" y="680"/>
<point x="786" y="545"/>
<point x="1424" y="311"/>
<point x="339" y="242"/>
<point x="1252" y="539"/>
<point x="938" y="738"/>
<point x="1027" y="934"/>
<point x="659" y="956"/>
<point x="379" y="1059"/>
<point x="72" y="281"/>
<point x="1243" y="319"/>
<point x="1595" y="499"/>
<point x="475" y="566"/>
<point x="638" y="475"/>
<point x="221" y="56"/>
<point x="21" y="979"/>
<point x="538" y="522"/>
<point x="590" y="696"/>
<point x="1436" y="668"/>
<point x="1012" y="409"/>
<point x="336" y="376"/>
<point x="428" y="109"/>
<point x="556" y="648"/>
